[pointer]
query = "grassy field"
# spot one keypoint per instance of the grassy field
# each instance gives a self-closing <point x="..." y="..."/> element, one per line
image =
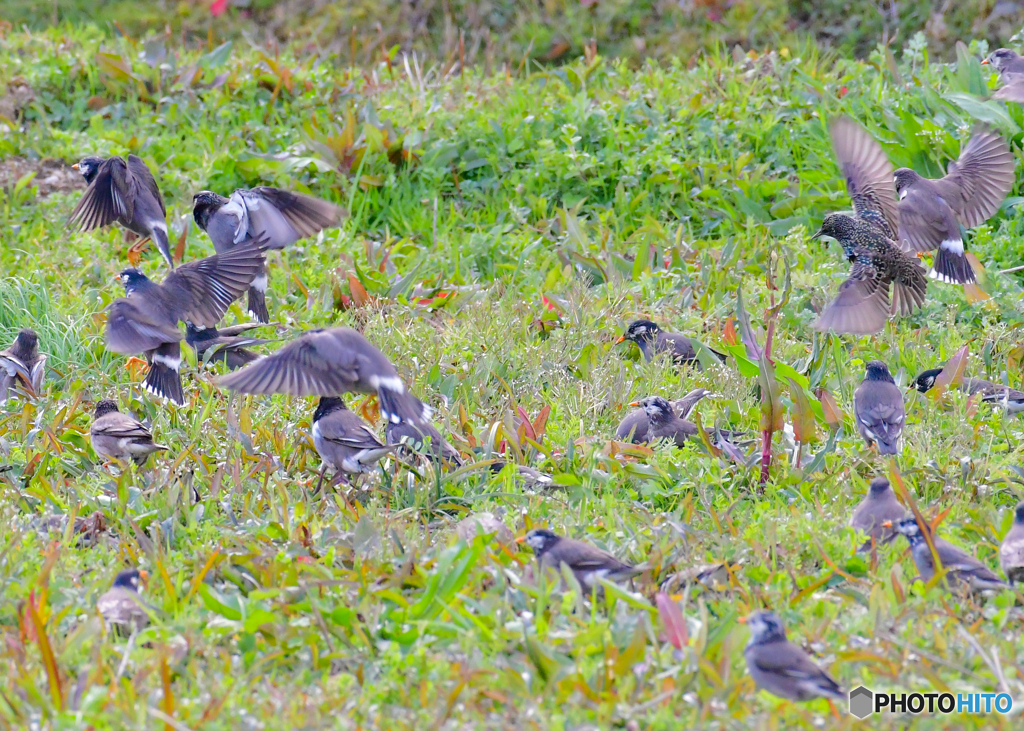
<point x="503" y="228"/>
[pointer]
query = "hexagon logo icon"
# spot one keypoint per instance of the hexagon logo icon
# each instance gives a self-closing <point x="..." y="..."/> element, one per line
<point x="862" y="702"/>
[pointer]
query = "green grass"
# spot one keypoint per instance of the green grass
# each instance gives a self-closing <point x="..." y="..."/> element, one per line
<point x="613" y="192"/>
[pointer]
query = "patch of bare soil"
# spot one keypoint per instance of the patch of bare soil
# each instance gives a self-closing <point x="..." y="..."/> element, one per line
<point x="52" y="176"/>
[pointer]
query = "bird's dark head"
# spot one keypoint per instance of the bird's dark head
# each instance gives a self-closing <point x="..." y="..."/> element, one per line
<point x="1019" y="514"/>
<point x="106" y="406"/>
<point x="903" y="179"/>
<point x="26" y="343"/>
<point x="1001" y="58"/>
<point x="838" y="226"/>
<point x="926" y="379"/>
<point x="197" y="336"/>
<point x="765" y="627"/>
<point x="129" y="579"/>
<point x="132" y="279"/>
<point x="204" y="204"/>
<point x="876" y="370"/>
<point x="541" y="540"/>
<point x="879" y="486"/>
<point x="908" y="527"/>
<point x="327" y="405"/>
<point x="657" y="409"/>
<point x="88" y="167"/>
<point x="640" y="330"/>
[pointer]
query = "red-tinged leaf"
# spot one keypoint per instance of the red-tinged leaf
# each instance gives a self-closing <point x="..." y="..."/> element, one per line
<point x="179" y="248"/>
<point x="833" y="414"/>
<point x="359" y="294"/>
<point x="772" y="417"/>
<point x="952" y="374"/>
<point x="729" y="334"/>
<point x="115" y="66"/>
<point x="804" y="426"/>
<point x="218" y="7"/>
<point x="46" y="651"/>
<point x="541" y="422"/>
<point x="672" y="620"/>
<point x="97" y="103"/>
<point x="897" y="587"/>
<point x="527" y="425"/>
<point x="842" y="92"/>
<point x="746" y="331"/>
<point x="168" y="699"/>
<point x="1014" y="358"/>
<point x="975" y="294"/>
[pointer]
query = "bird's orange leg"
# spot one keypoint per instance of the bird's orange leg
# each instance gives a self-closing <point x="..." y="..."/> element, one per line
<point x="135" y="367"/>
<point x="136" y="249"/>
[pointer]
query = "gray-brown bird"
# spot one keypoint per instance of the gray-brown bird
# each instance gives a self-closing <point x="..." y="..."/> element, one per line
<point x="1011" y="552"/>
<point x="868" y="240"/>
<point x="780" y="667"/>
<point x="125" y="193"/>
<point x="122" y="606"/>
<point x="653" y="341"/>
<point x="330" y="363"/>
<point x="1011" y="72"/>
<point x="878" y="507"/>
<point x="1009" y="399"/>
<point x="588" y="563"/>
<point x="960" y="567"/>
<point x="279" y="216"/>
<point x="119" y="437"/>
<point x="200" y="292"/>
<point x="226" y="345"/>
<point x="633" y="427"/>
<point x="343" y="440"/>
<point x="878" y="408"/>
<point x="22" y="364"/>
<point x="932" y="211"/>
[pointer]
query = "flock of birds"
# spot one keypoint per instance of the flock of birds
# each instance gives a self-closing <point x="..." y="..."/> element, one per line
<point x="897" y="215"/>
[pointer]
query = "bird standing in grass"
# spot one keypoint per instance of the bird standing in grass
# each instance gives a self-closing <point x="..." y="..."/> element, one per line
<point x="1011" y="552"/>
<point x="121" y="606"/>
<point x="878" y="507"/>
<point x="1011" y="72"/>
<point x="279" y="216"/>
<point x="654" y="341"/>
<point x="867" y="237"/>
<point x="146" y="319"/>
<point x="117" y="436"/>
<point x="226" y="345"/>
<point x="780" y="667"/>
<point x="23" y="364"/>
<point x="932" y="211"/>
<point x="633" y="427"/>
<point x="125" y="193"/>
<point x="588" y="563"/>
<point x="1009" y="399"/>
<point x="878" y="408"/>
<point x="960" y="567"/>
<point x="343" y="440"/>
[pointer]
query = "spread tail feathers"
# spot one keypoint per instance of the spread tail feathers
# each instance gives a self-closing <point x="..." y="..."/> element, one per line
<point x="400" y="407"/>
<point x="258" y="305"/>
<point x="952" y="267"/>
<point x="163" y="379"/>
<point x="160" y="237"/>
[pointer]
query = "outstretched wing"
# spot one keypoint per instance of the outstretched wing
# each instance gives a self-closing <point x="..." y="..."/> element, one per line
<point x="106" y="199"/>
<point x="868" y="173"/>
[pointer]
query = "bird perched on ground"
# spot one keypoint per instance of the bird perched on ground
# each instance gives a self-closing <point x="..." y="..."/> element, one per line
<point x="960" y="567"/>
<point x="280" y="216"/>
<point x="1010" y="399"/>
<point x="1011" y="552"/>
<point x="533" y="479"/>
<point x="867" y="237"/>
<point x="780" y="667"/>
<point x="343" y="440"/>
<point x="932" y="211"/>
<point x="117" y="436"/>
<point x="200" y="292"/>
<point x="588" y="563"/>
<point x="329" y="363"/>
<point x="226" y="345"/>
<point x="22" y="363"/>
<point x="878" y="408"/>
<point x="653" y="341"/>
<point x="125" y="193"/>
<point x="1011" y="72"/>
<point x="664" y="423"/>
<point x="878" y="507"/>
<point x="633" y="428"/>
<point x="121" y="606"/>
